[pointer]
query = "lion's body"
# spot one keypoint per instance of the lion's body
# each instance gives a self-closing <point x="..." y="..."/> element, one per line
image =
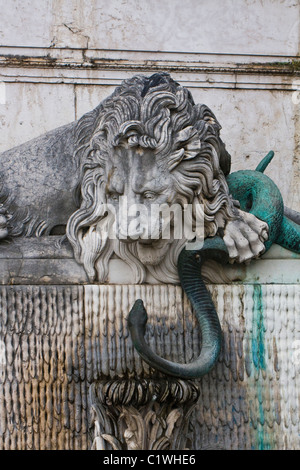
<point x="38" y="180"/>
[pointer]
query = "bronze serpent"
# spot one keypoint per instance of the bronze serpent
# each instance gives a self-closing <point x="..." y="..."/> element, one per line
<point x="257" y="194"/>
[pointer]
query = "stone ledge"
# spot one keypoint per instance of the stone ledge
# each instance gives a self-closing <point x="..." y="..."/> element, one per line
<point x="49" y="260"/>
<point x="51" y="65"/>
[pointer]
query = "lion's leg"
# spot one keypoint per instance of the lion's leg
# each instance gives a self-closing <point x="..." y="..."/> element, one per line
<point x="245" y="237"/>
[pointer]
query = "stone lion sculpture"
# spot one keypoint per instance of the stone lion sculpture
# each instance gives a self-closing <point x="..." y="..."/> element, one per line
<point x="148" y="141"/>
<point x="151" y="144"/>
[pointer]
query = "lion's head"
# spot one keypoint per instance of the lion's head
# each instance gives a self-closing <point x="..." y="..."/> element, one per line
<point x="149" y="142"/>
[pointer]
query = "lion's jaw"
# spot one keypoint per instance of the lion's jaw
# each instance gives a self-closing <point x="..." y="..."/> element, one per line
<point x="154" y="253"/>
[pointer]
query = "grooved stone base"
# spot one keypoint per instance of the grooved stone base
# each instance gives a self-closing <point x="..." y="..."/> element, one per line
<point x="55" y="341"/>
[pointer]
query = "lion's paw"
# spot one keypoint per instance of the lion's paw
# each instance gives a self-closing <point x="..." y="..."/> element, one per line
<point x="245" y="238"/>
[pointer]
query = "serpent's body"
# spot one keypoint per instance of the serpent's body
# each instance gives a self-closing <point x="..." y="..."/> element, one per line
<point x="257" y="194"/>
<point x="189" y="269"/>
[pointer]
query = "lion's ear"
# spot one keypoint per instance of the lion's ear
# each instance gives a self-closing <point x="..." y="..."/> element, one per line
<point x="188" y="143"/>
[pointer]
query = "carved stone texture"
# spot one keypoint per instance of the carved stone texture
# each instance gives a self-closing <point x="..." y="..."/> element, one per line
<point x="56" y="341"/>
<point x="149" y="414"/>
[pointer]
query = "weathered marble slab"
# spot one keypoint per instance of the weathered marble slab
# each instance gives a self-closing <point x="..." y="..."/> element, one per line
<point x="56" y="340"/>
<point x="165" y="26"/>
<point x="50" y="260"/>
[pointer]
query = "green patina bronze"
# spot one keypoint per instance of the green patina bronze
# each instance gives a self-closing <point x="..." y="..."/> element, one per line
<point x="257" y="194"/>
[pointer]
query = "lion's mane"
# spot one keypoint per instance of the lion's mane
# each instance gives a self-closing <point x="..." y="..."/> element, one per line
<point x="157" y="113"/>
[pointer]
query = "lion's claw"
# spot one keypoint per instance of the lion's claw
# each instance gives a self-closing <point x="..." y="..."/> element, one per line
<point x="245" y="238"/>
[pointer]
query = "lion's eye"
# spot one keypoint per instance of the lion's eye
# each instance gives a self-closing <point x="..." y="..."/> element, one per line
<point x="149" y="195"/>
<point x="113" y="196"/>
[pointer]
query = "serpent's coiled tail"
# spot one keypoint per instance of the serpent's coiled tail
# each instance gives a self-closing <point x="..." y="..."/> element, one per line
<point x="257" y="194"/>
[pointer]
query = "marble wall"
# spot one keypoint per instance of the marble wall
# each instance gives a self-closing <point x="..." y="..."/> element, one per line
<point x="239" y="58"/>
